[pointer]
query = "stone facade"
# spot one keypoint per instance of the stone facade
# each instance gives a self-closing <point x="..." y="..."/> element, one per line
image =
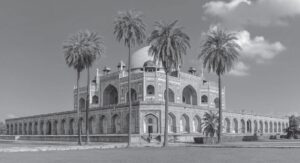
<point x="190" y="97"/>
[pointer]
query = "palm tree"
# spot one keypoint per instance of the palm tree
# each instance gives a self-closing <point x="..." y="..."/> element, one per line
<point x="74" y="58"/>
<point x="91" y="46"/>
<point x="130" y="28"/>
<point x="219" y="53"/>
<point x="210" y="124"/>
<point x="168" y="44"/>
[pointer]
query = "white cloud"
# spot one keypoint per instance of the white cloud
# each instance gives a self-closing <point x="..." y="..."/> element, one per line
<point x="240" y="69"/>
<point x="259" y="12"/>
<point x="258" y="48"/>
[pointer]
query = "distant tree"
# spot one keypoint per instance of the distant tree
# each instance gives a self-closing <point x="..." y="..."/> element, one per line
<point x="168" y="44"/>
<point x="2" y="128"/>
<point x="75" y="58"/>
<point x="293" y="129"/>
<point x="219" y="53"/>
<point x="210" y="124"/>
<point x="91" y="46"/>
<point x="130" y="28"/>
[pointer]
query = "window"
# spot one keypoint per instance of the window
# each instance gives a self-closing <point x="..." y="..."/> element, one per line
<point x="150" y="90"/>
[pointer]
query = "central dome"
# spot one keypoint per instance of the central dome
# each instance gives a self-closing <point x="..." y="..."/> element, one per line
<point x="139" y="57"/>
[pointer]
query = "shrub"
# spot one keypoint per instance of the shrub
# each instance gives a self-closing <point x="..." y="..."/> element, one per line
<point x="199" y="140"/>
<point x="250" y="138"/>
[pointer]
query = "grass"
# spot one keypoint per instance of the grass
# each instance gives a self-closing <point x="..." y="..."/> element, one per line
<point x="158" y="155"/>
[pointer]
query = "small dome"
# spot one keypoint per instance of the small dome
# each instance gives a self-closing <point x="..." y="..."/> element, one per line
<point x="149" y="63"/>
<point x="139" y="57"/>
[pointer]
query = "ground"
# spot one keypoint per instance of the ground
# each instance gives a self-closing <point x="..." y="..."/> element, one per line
<point x="179" y="154"/>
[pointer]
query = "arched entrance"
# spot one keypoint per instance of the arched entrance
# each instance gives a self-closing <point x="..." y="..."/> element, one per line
<point x="116" y="124"/>
<point x="48" y="128"/>
<point x="133" y="96"/>
<point x="110" y="95"/>
<point x="227" y="125"/>
<point x="171" y="95"/>
<point x="171" y="123"/>
<point x="196" y="124"/>
<point x="184" y="124"/>
<point x="150" y="124"/>
<point x="189" y="95"/>
<point x="235" y="126"/>
<point x="103" y="125"/>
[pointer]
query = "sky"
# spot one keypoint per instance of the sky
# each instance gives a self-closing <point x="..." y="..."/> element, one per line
<point x="36" y="80"/>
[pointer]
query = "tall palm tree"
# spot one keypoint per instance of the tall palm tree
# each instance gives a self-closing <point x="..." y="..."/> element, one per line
<point x="219" y="53"/>
<point x="130" y="28"/>
<point x="168" y="44"/>
<point x="75" y="58"/>
<point x="210" y="124"/>
<point x="91" y="46"/>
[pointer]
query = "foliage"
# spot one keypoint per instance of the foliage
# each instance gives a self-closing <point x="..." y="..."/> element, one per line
<point x="210" y="124"/>
<point x="219" y="51"/>
<point x="168" y="44"/>
<point x="2" y="128"/>
<point x="129" y="27"/>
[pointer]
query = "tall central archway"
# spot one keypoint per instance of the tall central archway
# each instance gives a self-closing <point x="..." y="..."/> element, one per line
<point x="110" y="95"/>
<point x="189" y="95"/>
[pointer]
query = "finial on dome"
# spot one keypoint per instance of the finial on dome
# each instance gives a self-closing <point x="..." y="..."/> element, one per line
<point x="106" y="70"/>
<point x="121" y="65"/>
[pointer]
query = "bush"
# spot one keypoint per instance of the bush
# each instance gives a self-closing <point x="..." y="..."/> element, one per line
<point x="199" y="140"/>
<point x="272" y="136"/>
<point x="250" y="138"/>
<point x="283" y="136"/>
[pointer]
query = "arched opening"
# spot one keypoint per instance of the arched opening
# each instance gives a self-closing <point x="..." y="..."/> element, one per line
<point x="189" y="95"/>
<point x="20" y="128"/>
<point x="150" y="124"/>
<point x="204" y="99"/>
<point x="126" y="123"/>
<point x="30" y="128"/>
<point x="91" y="125"/>
<point x="150" y="90"/>
<point x="55" y="127"/>
<point x="261" y="127"/>
<point x="275" y="127"/>
<point x="82" y="104"/>
<point x="196" y="124"/>
<point x="35" y="128"/>
<point x="81" y="124"/>
<point x="266" y="127"/>
<point x="95" y="99"/>
<point x="110" y="95"/>
<point x="271" y="127"/>
<point x="249" y="126"/>
<point x="184" y="124"/>
<point x="71" y="127"/>
<point x="11" y="129"/>
<point x="171" y="95"/>
<point x="7" y="130"/>
<point x="103" y="125"/>
<point x="255" y="126"/>
<point x="133" y="95"/>
<point x="171" y="123"/>
<point x="48" y="128"/>
<point x="216" y="101"/>
<point x="116" y="124"/>
<point x="235" y="126"/>
<point x="16" y="129"/>
<point x="227" y="125"/>
<point x="62" y="127"/>
<point x="283" y="126"/>
<point x="41" y="127"/>
<point x="279" y="127"/>
<point x="243" y="128"/>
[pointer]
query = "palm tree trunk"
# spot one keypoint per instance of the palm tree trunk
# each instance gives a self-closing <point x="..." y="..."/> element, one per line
<point x="87" y="107"/>
<point x="129" y="96"/>
<point x="220" y="111"/>
<point x="166" y="111"/>
<point x="78" y="111"/>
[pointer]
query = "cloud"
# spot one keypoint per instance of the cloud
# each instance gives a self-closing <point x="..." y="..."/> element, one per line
<point x="240" y="69"/>
<point x="258" y="48"/>
<point x="239" y="13"/>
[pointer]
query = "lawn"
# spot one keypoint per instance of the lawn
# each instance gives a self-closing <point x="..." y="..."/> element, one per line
<point x="158" y="155"/>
